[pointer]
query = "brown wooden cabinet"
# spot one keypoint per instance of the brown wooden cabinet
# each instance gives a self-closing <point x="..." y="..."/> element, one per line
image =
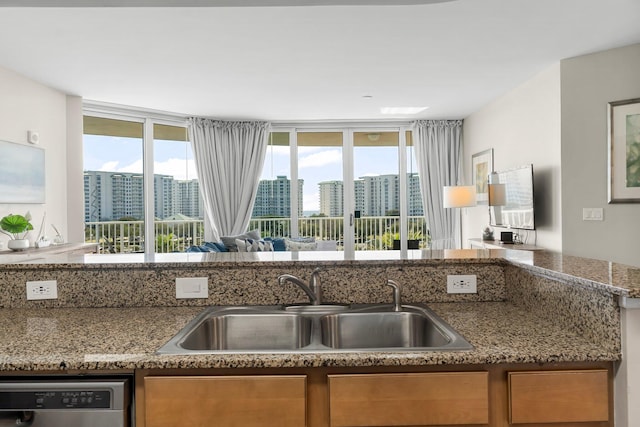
<point x="247" y="401"/>
<point x="527" y="395"/>
<point x="558" y="396"/>
<point x="446" y="398"/>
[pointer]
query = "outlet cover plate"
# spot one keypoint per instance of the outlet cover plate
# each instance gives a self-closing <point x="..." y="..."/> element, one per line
<point x="592" y="214"/>
<point x="192" y="287"/>
<point x="42" y="289"/>
<point x="462" y="284"/>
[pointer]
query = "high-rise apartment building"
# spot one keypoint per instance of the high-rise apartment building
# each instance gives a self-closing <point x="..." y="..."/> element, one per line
<point x="109" y="196"/>
<point x="164" y="196"/>
<point x="189" y="200"/>
<point x="374" y="195"/>
<point x="331" y="198"/>
<point x="358" y="190"/>
<point x="381" y="194"/>
<point x="273" y="198"/>
<point x="416" y="208"/>
<point x="113" y="195"/>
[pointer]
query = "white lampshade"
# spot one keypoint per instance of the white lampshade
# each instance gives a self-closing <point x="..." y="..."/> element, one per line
<point x="497" y="194"/>
<point x="459" y="196"/>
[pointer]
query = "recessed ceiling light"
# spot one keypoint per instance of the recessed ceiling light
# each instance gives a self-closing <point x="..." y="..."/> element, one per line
<point x="367" y="96"/>
<point x="402" y="110"/>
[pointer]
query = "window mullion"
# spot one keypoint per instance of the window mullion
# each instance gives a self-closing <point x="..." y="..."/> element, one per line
<point x="148" y="194"/>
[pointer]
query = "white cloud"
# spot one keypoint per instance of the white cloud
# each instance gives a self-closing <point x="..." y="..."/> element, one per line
<point x="321" y="158"/>
<point x="109" y="166"/>
<point x="135" y="167"/>
<point x="178" y="168"/>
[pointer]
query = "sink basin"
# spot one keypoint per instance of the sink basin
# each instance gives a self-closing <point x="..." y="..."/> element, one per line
<point x="314" y="329"/>
<point x="381" y="330"/>
<point x="250" y="331"/>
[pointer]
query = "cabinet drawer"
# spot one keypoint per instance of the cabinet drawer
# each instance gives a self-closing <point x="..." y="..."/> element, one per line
<point x="409" y="399"/>
<point x="558" y="396"/>
<point x="245" y="401"/>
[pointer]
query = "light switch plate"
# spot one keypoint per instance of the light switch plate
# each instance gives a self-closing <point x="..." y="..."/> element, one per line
<point x="592" y="214"/>
<point x="192" y="287"/>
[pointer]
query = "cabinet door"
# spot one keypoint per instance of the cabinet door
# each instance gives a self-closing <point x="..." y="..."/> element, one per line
<point x="233" y="401"/>
<point x="558" y="396"/>
<point x="409" y="399"/>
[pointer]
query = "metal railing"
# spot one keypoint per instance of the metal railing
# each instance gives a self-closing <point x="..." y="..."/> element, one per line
<point x="371" y="233"/>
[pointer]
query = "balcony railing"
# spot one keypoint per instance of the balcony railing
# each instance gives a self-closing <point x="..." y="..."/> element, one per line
<point x="371" y="233"/>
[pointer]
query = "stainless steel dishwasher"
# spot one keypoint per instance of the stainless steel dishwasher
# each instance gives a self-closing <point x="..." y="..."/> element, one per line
<point x="65" y="401"/>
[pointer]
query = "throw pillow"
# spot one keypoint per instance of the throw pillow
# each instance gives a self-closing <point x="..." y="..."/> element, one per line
<point x="302" y="244"/>
<point x="251" y="245"/>
<point x="211" y="246"/>
<point x="230" y="241"/>
<point x="277" y="242"/>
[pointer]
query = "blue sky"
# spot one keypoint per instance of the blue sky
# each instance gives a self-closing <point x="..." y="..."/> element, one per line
<point x="316" y="164"/>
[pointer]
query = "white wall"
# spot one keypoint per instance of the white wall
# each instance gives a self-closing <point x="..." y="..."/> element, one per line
<point x="75" y="166"/>
<point x="589" y="83"/>
<point x="26" y="105"/>
<point x="522" y="127"/>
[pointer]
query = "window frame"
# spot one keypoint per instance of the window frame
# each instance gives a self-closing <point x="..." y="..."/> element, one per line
<point x="148" y="118"/>
<point x="348" y="129"/>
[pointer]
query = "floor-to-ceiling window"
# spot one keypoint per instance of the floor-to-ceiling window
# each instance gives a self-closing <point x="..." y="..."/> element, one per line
<point x="139" y="181"/>
<point x="353" y="188"/>
<point x="347" y="187"/>
<point x="178" y="207"/>
<point x="113" y="183"/>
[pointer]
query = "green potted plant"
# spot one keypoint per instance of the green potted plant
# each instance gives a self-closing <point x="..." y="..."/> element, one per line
<point x="16" y="227"/>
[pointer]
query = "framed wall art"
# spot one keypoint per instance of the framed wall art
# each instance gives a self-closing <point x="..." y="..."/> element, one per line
<point x="481" y="167"/>
<point x="624" y="151"/>
<point x="21" y="173"/>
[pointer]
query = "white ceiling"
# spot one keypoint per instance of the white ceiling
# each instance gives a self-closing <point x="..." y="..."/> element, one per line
<point x="307" y="63"/>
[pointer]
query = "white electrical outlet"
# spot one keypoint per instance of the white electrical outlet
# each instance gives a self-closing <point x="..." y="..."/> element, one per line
<point x="192" y="287"/>
<point x="42" y="289"/>
<point x="462" y="284"/>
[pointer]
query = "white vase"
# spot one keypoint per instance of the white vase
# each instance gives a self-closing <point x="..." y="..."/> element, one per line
<point x="18" y="244"/>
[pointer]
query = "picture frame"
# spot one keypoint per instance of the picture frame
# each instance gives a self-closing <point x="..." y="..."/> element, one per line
<point x="23" y="177"/>
<point x="624" y="151"/>
<point x="481" y="167"/>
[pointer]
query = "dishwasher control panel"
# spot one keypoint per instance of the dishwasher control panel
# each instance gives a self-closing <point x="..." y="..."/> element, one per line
<point x="52" y="399"/>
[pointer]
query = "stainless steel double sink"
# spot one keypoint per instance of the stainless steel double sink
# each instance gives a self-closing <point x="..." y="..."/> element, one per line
<point x="314" y="329"/>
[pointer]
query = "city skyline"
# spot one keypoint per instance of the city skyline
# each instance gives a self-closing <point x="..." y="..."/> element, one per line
<point x="175" y="158"/>
<point x="111" y="195"/>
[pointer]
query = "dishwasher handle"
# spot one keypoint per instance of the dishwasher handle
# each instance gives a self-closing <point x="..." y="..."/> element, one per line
<point x="17" y="418"/>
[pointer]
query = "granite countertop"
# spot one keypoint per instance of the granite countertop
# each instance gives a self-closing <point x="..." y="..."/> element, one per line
<point x="619" y="279"/>
<point x="127" y="338"/>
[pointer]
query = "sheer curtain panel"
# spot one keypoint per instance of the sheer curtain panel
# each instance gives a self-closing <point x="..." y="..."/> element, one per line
<point x="229" y="157"/>
<point x="438" y="148"/>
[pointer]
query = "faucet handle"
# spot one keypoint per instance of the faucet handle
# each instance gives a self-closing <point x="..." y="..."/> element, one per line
<point x="397" y="294"/>
<point x="315" y="284"/>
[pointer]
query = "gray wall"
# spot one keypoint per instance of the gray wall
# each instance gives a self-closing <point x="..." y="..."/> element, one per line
<point x="588" y="84"/>
<point x="522" y="126"/>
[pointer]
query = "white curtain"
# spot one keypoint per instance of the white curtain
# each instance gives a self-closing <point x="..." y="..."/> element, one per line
<point x="438" y="148"/>
<point x="229" y="157"/>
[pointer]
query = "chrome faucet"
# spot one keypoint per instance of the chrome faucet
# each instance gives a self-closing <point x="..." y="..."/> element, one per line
<point x="397" y="297"/>
<point x="313" y="289"/>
